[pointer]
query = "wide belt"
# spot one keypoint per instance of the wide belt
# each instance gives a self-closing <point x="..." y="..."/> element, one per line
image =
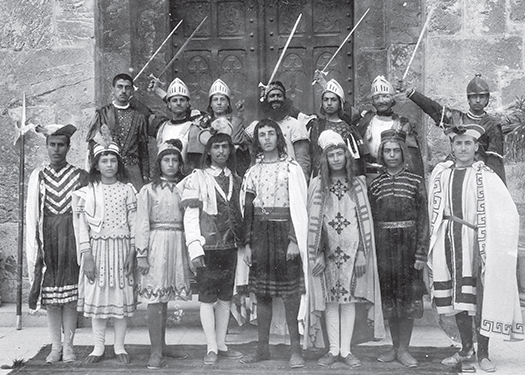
<point x="396" y="224"/>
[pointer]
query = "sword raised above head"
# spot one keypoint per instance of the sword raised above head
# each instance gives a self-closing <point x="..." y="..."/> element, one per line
<point x="265" y="87"/>
<point x="429" y="16"/>
<point x="180" y="50"/>
<point x="158" y="50"/>
<point x="323" y="71"/>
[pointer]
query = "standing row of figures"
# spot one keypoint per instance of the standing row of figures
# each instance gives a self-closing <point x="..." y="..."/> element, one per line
<point x="326" y="213"/>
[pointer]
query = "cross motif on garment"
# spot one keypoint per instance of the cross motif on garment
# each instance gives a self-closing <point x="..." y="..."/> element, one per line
<point x="339" y="223"/>
<point x="338" y="257"/>
<point x="338" y="290"/>
<point x="339" y="189"/>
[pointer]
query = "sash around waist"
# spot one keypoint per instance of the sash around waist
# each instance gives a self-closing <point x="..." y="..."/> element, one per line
<point x="166" y="225"/>
<point x="396" y="224"/>
<point x="272" y="213"/>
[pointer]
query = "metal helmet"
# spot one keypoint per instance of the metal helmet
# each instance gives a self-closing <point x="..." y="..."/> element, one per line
<point x="219" y="87"/>
<point x="177" y="87"/>
<point x="477" y="86"/>
<point x="381" y="86"/>
<point x="335" y="87"/>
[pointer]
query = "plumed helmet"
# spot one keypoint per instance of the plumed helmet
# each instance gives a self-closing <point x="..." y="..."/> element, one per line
<point x="477" y="86"/>
<point x="335" y="87"/>
<point x="219" y="87"/>
<point x="381" y="86"/>
<point x="177" y="87"/>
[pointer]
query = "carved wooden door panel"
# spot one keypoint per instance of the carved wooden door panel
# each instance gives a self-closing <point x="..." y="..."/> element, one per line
<point x="241" y="42"/>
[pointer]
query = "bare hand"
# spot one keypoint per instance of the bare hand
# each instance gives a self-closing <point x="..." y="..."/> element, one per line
<point x="292" y="251"/>
<point x="247" y="255"/>
<point x="320" y="78"/>
<point x="197" y="263"/>
<point x="360" y="264"/>
<point x="129" y="264"/>
<point x="89" y="266"/>
<point x="319" y="265"/>
<point x="142" y="265"/>
<point x="419" y="265"/>
<point x="240" y="106"/>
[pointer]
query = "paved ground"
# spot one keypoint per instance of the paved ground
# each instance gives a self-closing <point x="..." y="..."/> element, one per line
<point x="508" y="357"/>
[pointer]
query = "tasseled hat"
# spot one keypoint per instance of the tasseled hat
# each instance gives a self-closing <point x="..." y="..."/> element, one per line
<point x="472" y="130"/>
<point x="335" y="87"/>
<point x="477" y="86"/>
<point x="168" y="145"/>
<point x="219" y="87"/>
<point x="104" y="142"/>
<point x="56" y="129"/>
<point x="177" y="87"/>
<point x="381" y="86"/>
<point x="329" y="138"/>
<point x="393" y="135"/>
<point x="219" y="125"/>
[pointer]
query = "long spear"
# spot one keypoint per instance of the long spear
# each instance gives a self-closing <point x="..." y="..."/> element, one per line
<point x="281" y="57"/>
<point x="419" y="41"/>
<point x="179" y="51"/>
<point x="21" y="176"/>
<point x="323" y="71"/>
<point x="157" y="51"/>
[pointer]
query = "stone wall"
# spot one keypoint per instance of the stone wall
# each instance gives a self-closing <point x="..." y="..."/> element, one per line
<point x="47" y="52"/>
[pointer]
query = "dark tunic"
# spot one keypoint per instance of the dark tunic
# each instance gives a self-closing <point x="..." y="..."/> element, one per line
<point x="399" y="208"/>
<point x="58" y="284"/>
<point x="491" y="142"/>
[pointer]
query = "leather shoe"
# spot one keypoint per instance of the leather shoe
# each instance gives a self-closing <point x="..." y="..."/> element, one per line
<point x="94" y="358"/>
<point x="256" y="357"/>
<point x="174" y="353"/>
<point x="122" y="358"/>
<point x="406" y="359"/>
<point x="457" y="358"/>
<point x="210" y="358"/>
<point x="486" y="365"/>
<point x="389" y="356"/>
<point x="327" y="360"/>
<point x="229" y="353"/>
<point x="296" y="360"/>
<point x="68" y="355"/>
<point x="155" y="360"/>
<point x="54" y="356"/>
<point x="352" y="361"/>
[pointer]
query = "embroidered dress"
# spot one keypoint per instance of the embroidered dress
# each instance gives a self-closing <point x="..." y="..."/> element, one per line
<point x="401" y="230"/>
<point x="159" y="237"/>
<point x="341" y="236"/>
<point x="110" y="239"/>
<point x="272" y="229"/>
<point x="54" y="268"/>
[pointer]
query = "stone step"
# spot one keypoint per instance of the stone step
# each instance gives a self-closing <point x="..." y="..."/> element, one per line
<point x="190" y="318"/>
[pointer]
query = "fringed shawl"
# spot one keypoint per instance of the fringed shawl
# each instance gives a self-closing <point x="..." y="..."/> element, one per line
<point x="367" y="287"/>
<point x="497" y="241"/>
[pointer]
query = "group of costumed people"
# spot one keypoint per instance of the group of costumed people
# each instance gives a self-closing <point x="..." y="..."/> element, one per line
<point x="320" y="225"/>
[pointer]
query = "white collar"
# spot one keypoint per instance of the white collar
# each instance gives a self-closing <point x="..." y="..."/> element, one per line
<point x="120" y="106"/>
<point x="215" y="171"/>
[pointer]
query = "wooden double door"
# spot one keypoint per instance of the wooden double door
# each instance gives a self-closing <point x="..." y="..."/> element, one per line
<point x="241" y="41"/>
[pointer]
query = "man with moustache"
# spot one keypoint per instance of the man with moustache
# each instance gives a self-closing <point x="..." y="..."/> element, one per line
<point x="280" y="109"/>
<point x="128" y="124"/>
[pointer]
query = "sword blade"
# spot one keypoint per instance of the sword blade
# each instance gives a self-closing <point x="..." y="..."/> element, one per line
<point x="419" y="41"/>
<point x="182" y="47"/>
<point x="158" y="50"/>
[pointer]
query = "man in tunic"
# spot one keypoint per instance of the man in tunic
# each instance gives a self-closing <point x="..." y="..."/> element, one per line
<point x="50" y="241"/>
<point x="332" y="108"/>
<point x="129" y="129"/>
<point x="214" y="231"/>
<point x="478" y="96"/>
<point x="372" y="123"/>
<point x="399" y="206"/>
<point x="474" y="228"/>
<point x="279" y="108"/>
<point x="183" y="125"/>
